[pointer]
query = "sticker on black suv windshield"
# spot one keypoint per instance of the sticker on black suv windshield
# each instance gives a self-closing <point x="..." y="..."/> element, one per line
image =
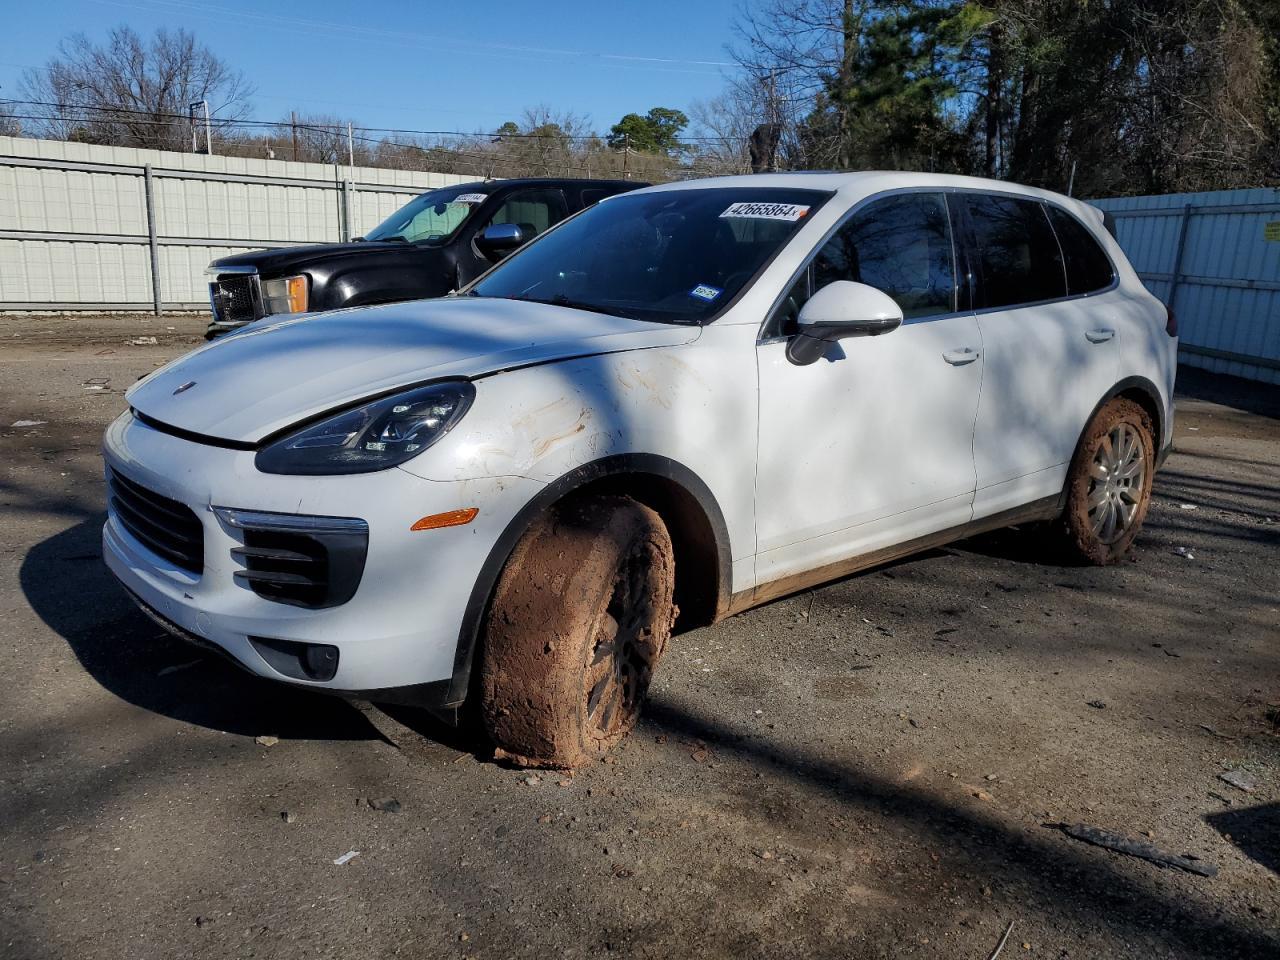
<point x="704" y="292"/>
<point x="471" y="198"/>
<point x="766" y="211"/>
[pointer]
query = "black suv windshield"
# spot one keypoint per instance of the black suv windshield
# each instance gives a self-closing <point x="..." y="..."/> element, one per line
<point x="431" y="218"/>
<point x="673" y="256"/>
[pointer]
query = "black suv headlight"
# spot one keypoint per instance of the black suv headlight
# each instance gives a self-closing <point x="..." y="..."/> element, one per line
<point x="373" y="436"/>
<point x="285" y="295"/>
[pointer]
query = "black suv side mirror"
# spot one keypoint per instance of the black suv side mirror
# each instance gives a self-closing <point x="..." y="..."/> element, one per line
<point x="499" y="239"/>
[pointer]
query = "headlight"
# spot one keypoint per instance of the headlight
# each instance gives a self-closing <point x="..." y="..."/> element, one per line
<point x="285" y="295"/>
<point x="373" y="436"/>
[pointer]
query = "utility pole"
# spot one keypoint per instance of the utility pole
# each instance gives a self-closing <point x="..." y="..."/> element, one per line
<point x="193" y="110"/>
<point x="626" y="156"/>
<point x="293" y="122"/>
<point x="775" y="122"/>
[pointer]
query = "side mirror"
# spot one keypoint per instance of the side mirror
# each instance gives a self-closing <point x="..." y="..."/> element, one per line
<point x="839" y="310"/>
<point x="499" y="239"/>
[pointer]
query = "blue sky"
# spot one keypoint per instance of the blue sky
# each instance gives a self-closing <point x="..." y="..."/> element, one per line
<point x="428" y="64"/>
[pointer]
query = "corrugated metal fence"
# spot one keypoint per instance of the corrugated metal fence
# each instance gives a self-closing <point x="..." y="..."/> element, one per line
<point x="1215" y="258"/>
<point x="87" y="227"/>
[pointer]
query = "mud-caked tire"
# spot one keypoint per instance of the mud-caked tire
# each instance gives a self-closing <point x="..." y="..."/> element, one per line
<point x="1108" y="486"/>
<point x="579" y="619"/>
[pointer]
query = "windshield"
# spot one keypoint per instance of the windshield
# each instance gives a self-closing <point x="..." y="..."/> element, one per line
<point x="433" y="217"/>
<point x="674" y="256"/>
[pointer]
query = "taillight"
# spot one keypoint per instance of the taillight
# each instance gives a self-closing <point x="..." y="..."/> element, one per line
<point x="1171" y="324"/>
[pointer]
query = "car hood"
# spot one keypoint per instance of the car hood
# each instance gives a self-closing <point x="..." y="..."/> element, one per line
<point x="273" y="374"/>
<point x="284" y="260"/>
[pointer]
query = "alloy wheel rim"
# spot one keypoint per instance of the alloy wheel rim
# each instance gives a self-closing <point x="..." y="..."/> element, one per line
<point x="1117" y="477"/>
<point x="618" y="672"/>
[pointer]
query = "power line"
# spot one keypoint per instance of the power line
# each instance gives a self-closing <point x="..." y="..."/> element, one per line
<point x="277" y="124"/>
<point x="486" y="160"/>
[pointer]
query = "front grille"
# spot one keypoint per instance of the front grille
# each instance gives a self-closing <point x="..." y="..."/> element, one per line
<point x="165" y="527"/>
<point x="303" y="561"/>
<point x="235" y="298"/>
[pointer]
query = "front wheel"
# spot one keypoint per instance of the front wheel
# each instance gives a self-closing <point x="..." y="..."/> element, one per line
<point x="579" y="620"/>
<point x="1109" y="485"/>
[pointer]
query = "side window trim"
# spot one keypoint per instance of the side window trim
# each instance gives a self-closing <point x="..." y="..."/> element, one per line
<point x="1062" y="253"/>
<point x="963" y="247"/>
<point x="767" y="333"/>
<point x="962" y="239"/>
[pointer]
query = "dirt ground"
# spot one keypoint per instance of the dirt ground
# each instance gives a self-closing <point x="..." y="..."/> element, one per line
<point x="871" y="769"/>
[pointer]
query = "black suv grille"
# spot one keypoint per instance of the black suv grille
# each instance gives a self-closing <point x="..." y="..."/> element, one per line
<point x="234" y="298"/>
<point x="165" y="527"/>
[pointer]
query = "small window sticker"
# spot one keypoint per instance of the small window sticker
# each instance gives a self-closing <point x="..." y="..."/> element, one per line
<point x="471" y="198"/>
<point x="705" y="292"/>
<point x="790" y="212"/>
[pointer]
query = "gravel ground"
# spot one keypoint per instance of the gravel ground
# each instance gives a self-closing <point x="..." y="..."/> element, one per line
<point x="872" y="769"/>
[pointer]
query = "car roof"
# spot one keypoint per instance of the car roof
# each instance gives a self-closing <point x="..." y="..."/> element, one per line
<point x="549" y="181"/>
<point x="867" y="181"/>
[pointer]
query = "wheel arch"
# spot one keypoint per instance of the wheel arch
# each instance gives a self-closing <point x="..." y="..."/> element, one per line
<point x="1142" y="392"/>
<point x="699" y="536"/>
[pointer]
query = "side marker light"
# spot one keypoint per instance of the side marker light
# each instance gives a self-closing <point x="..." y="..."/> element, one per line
<point x="453" y="518"/>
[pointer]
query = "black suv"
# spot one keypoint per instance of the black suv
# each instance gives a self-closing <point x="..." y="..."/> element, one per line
<point x="436" y="243"/>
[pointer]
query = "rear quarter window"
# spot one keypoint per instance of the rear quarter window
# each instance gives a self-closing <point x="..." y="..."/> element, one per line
<point x="1089" y="268"/>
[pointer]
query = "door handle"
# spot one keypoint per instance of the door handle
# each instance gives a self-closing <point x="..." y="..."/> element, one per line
<point x="958" y="358"/>
<point x="1099" y="336"/>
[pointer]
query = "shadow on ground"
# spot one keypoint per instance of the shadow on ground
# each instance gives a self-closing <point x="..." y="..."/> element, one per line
<point x="1250" y="396"/>
<point x="1254" y="830"/>
<point x="71" y="590"/>
<point x="1057" y="875"/>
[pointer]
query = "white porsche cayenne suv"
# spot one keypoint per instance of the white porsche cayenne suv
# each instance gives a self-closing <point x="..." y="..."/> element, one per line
<point x="684" y="401"/>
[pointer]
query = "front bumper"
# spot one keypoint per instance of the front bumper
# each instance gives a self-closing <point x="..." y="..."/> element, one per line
<point x="401" y="626"/>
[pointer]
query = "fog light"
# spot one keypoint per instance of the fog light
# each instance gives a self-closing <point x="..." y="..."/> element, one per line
<point x="301" y="661"/>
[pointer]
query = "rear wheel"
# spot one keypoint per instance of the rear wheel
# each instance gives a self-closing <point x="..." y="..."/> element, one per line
<point x="1109" y="486"/>
<point x="579" y="620"/>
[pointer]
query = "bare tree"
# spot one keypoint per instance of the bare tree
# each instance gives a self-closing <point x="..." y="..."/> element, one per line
<point x="799" y="54"/>
<point x="321" y="138"/>
<point x="721" y="126"/>
<point x="10" y="126"/>
<point x="132" y="92"/>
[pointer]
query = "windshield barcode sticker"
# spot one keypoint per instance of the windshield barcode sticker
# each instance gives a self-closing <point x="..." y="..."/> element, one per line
<point x="766" y="211"/>
<point x="471" y="198"/>
<point x="705" y="292"/>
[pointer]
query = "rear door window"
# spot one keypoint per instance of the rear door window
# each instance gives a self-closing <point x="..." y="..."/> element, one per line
<point x="1088" y="266"/>
<point x="1016" y="250"/>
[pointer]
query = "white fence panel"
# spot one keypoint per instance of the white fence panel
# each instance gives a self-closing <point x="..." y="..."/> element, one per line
<point x="75" y="234"/>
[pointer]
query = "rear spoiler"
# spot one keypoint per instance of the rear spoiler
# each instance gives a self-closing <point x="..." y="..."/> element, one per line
<point x="1108" y="221"/>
